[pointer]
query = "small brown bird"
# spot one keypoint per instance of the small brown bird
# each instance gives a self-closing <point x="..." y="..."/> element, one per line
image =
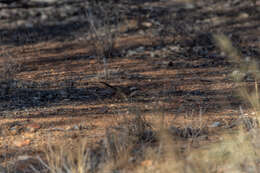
<point x="122" y="92"/>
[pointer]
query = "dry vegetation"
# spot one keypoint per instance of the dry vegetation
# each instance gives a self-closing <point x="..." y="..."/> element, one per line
<point x="130" y="86"/>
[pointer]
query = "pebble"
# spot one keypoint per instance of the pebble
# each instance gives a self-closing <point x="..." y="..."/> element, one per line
<point x="131" y="52"/>
<point x="189" y="6"/>
<point x="140" y="49"/>
<point x="147" y="24"/>
<point x="215" y="124"/>
<point x="243" y="16"/>
<point x="174" y="48"/>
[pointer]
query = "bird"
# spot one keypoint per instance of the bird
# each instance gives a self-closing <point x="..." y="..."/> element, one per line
<point x="122" y="92"/>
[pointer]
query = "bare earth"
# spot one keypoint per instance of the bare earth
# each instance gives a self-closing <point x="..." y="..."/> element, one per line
<point x="61" y="97"/>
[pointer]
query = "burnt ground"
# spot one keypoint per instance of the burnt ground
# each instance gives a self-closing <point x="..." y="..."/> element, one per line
<point x="52" y="90"/>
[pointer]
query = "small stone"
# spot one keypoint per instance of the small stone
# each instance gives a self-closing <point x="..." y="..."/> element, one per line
<point x="238" y="74"/>
<point x="248" y="59"/>
<point x="152" y="54"/>
<point x="29" y="25"/>
<point x="189" y="6"/>
<point x="131" y="160"/>
<point x="243" y="16"/>
<point x="131" y="52"/>
<point x="133" y="88"/>
<point x="141" y="32"/>
<point x="215" y="124"/>
<point x="23" y="157"/>
<point x="147" y="24"/>
<point x="140" y="49"/>
<point x="174" y="48"/>
<point x="75" y="127"/>
<point x="44" y="16"/>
